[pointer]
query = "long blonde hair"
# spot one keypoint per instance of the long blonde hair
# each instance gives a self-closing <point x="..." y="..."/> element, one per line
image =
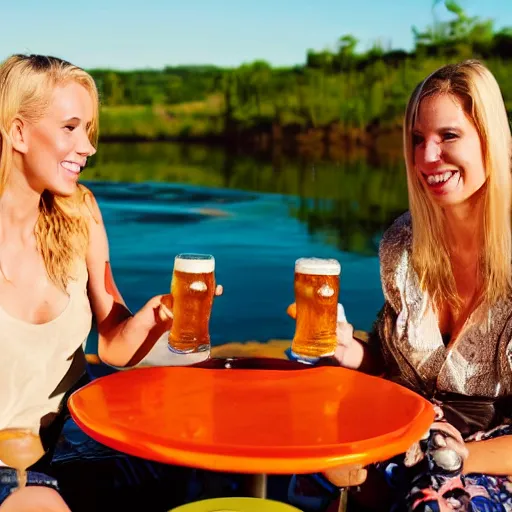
<point x="26" y="86"/>
<point x="479" y="93"/>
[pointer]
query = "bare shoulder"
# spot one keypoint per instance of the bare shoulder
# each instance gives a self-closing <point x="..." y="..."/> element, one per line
<point x="98" y="243"/>
<point x="89" y="206"/>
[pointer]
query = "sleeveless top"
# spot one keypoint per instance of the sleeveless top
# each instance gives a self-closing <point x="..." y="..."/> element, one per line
<point x="477" y="363"/>
<point x="40" y="362"/>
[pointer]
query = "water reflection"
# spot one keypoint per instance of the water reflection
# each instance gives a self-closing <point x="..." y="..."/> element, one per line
<point x="347" y="202"/>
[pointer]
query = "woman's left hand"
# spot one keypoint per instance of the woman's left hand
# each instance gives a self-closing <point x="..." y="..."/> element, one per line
<point x="449" y="449"/>
<point x="444" y="445"/>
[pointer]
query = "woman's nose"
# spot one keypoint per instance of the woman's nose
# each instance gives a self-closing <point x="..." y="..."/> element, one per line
<point x="85" y="148"/>
<point x="432" y="152"/>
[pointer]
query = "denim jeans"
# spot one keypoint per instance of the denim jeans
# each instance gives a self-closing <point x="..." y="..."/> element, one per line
<point x="92" y="477"/>
<point x="9" y="481"/>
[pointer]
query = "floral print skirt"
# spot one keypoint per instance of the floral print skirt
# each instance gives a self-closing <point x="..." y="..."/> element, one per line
<point x="427" y="486"/>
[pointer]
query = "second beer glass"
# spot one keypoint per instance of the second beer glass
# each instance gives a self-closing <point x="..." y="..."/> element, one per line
<point x="193" y="289"/>
<point x="317" y="285"/>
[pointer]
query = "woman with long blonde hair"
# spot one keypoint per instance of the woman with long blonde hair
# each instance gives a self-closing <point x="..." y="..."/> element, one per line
<point x="55" y="273"/>
<point x="445" y="330"/>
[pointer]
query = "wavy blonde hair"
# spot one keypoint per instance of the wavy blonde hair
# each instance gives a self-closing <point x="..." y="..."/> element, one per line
<point x="480" y="96"/>
<point x="26" y="85"/>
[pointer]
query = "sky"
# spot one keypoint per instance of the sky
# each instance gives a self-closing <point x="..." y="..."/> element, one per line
<point x="128" y="34"/>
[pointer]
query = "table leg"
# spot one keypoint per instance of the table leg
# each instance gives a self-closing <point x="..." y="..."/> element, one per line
<point x="256" y="486"/>
<point x="342" y="507"/>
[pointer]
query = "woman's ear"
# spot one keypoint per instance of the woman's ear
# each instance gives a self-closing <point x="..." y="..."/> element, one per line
<point x="18" y="136"/>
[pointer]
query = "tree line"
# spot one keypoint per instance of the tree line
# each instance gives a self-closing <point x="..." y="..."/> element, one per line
<point x="339" y="87"/>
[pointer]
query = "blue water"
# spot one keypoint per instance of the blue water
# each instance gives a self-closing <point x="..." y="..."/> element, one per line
<point x="255" y="240"/>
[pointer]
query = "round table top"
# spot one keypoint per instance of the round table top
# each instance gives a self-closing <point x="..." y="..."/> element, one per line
<point x="252" y="421"/>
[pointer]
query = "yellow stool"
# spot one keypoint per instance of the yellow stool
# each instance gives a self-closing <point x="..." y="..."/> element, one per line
<point x="236" y="505"/>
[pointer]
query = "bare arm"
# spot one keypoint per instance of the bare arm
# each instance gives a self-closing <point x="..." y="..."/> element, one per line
<point x="493" y="456"/>
<point x="124" y="338"/>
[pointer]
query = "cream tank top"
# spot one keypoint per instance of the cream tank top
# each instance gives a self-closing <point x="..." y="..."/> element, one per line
<point x="39" y="363"/>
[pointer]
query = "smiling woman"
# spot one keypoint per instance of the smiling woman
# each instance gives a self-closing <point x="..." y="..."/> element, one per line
<point x="447" y="150"/>
<point x="59" y="140"/>
<point x="55" y="277"/>
<point x="445" y="330"/>
<point x="456" y="123"/>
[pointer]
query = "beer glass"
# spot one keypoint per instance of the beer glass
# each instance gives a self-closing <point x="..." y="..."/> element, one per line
<point x="317" y="285"/>
<point x="20" y="449"/>
<point x="193" y="289"/>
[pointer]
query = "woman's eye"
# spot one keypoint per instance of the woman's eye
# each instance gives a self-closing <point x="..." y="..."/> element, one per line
<point x="416" y="139"/>
<point x="69" y="128"/>
<point x="450" y="136"/>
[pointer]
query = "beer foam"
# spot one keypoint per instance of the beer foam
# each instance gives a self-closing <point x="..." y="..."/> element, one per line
<point x="318" y="267"/>
<point x="191" y="265"/>
<point x="199" y="286"/>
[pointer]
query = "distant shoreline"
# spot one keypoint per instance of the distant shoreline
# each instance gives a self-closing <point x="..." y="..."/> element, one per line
<point x="288" y="139"/>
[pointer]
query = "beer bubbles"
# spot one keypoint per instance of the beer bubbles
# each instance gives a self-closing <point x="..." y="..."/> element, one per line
<point x="193" y="289"/>
<point x="316" y="295"/>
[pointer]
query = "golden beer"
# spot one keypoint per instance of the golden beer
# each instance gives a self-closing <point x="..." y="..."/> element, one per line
<point x="317" y="286"/>
<point x="193" y="289"/>
<point x="20" y="449"/>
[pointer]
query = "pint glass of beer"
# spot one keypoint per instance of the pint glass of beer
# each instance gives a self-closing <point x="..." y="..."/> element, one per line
<point x="317" y="285"/>
<point x="193" y="289"/>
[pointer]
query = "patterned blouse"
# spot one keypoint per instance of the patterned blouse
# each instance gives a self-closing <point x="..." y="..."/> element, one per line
<point x="477" y="363"/>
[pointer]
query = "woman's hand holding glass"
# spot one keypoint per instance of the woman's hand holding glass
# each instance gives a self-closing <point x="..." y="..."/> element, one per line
<point x="349" y="352"/>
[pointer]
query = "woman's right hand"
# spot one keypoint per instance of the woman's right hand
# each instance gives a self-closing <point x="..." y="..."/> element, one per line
<point x="349" y="352"/>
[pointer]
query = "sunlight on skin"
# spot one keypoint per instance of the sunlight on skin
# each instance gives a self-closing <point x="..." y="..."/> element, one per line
<point x="157" y="312"/>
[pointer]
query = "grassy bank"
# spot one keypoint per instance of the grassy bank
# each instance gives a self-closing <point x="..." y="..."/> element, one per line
<point x="191" y="120"/>
<point x="308" y="109"/>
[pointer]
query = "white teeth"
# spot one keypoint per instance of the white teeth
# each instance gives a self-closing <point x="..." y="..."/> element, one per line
<point x="439" y="178"/>
<point x="71" y="166"/>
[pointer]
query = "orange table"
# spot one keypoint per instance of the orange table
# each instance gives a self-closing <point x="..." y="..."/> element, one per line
<point x="252" y="421"/>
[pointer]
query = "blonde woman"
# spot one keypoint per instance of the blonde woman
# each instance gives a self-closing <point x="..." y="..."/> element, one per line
<point x="446" y="327"/>
<point x="55" y="274"/>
